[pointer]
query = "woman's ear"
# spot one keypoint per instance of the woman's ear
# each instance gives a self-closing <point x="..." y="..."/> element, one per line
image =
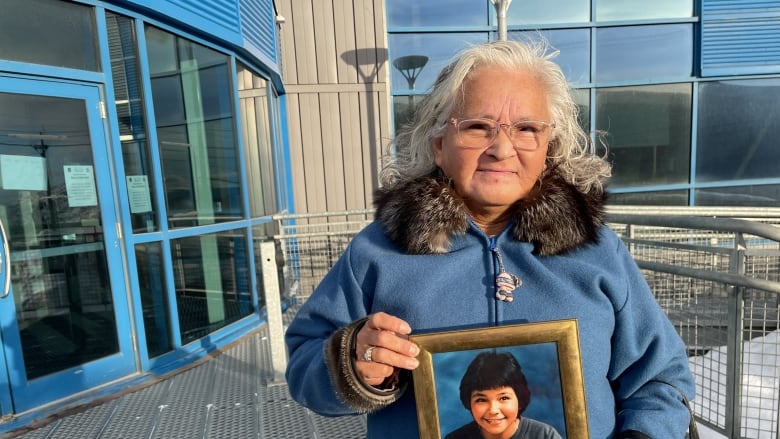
<point x="437" y="146"/>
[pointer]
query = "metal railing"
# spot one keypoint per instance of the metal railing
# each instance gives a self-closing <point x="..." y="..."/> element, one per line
<point x="715" y="272"/>
<point x="311" y="244"/>
<point x="718" y="279"/>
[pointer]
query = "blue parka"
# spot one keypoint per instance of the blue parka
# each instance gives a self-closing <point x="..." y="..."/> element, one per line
<point x="634" y="363"/>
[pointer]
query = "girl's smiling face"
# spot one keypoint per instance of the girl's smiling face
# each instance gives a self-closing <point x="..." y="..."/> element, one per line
<point x="496" y="412"/>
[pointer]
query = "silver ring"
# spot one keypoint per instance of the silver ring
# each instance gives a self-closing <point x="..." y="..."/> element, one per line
<point x="367" y="354"/>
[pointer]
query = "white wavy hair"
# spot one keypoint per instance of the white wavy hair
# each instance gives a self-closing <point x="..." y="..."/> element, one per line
<point x="569" y="149"/>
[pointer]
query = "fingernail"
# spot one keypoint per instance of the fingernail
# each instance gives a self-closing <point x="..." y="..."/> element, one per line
<point x="414" y="351"/>
<point x="412" y="363"/>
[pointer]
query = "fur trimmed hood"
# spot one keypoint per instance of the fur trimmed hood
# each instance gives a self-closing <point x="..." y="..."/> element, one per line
<point x="422" y="215"/>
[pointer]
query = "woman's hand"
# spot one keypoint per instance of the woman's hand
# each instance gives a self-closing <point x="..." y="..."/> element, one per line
<point x="382" y="345"/>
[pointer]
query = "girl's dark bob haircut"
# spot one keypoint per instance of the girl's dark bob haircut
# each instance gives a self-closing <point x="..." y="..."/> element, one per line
<point x="491" y="370"/>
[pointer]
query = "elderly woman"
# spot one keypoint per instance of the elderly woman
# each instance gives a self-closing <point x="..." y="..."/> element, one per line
<point x="490" y="213"/>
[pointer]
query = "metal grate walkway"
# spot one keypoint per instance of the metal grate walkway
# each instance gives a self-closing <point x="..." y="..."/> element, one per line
<point x="227" y="396"/>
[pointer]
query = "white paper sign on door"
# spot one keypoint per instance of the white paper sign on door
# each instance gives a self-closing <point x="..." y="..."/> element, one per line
<point x="24" y="173"/>
<point x="80" y="185"/>
<point x="138" y="192"/>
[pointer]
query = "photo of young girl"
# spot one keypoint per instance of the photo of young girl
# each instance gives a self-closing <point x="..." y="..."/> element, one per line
<point x="495" y="392"/>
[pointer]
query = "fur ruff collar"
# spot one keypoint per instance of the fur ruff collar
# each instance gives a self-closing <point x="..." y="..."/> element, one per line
<point x="422" y="215"/>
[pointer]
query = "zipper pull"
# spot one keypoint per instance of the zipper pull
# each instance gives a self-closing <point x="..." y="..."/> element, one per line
<point x="506" y="283"/>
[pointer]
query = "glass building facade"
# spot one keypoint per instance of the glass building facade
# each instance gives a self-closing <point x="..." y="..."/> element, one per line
<point x="138" y="173"/>
<point x="675" y="136"/>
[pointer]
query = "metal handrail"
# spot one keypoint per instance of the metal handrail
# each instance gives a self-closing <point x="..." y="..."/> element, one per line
<point x="717" y="224"/>
<point x="739" y="280"/>
<point x="723" y="212"/>
<point x="286" y="216"/>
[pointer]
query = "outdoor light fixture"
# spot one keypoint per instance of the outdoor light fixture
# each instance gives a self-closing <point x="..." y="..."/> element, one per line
<point x="410" y="66"/>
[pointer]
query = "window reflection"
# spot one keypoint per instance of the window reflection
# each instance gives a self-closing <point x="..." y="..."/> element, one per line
<point x="211" y="275"/>
<point x="154" y="298"/>
<point x="648" y="130"/>
<point x="192" y="95"/>
<point x="62" y="296"/>
<point x="253" y="93"/>
<point x="431" y="13"/>
<point x="51" y="32"/>
<point x="642" y="9"/>
<point x="644" y="52"/>
<point x="735" y="145"/>
<point x="574" y="47"/>
<point x="547" y="11"/>
<point x="130" y="107"/>
<point x="439" y="48"/>
<point x="403" y="109"/>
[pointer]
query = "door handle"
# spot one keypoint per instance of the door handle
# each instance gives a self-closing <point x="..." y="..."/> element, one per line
<point x="6" y="259"/>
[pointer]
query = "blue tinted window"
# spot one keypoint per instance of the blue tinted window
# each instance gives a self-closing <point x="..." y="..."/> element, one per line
<point x="439" y="48"/>
<point x="437" y="13"/>
<point x="738" y="130"/>
<point x="607" y="10"/>
<point x="208" y="299"/>
<point x="647" y="131"/>
<point x="644" y="52"/>
<point x="548" y="11"/>
<point x="49" y="32"/>
<point x="574" y="47"/>
<point x="193" y="109"/>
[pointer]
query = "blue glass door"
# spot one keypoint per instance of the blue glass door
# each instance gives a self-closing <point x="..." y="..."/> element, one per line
<point x="63" y="310"/>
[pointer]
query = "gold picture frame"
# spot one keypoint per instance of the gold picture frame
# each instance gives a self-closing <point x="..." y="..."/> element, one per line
<point x="551" y="348"/>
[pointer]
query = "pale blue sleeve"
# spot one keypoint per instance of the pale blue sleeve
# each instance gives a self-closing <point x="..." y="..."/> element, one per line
<point x="336" y="302"/>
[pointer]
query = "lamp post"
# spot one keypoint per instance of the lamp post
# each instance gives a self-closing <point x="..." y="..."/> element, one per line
<point x="501" y="7"/>
<point x="410" y="67"/>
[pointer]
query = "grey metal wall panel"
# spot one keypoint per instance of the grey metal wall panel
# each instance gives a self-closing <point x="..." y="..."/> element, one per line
<point x="740" y="37"/>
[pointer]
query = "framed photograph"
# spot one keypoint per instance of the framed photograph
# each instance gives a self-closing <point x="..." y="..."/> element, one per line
<point x="535" y="364"/>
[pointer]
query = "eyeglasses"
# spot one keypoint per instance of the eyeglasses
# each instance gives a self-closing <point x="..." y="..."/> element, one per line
<point x="480" y="133"/>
